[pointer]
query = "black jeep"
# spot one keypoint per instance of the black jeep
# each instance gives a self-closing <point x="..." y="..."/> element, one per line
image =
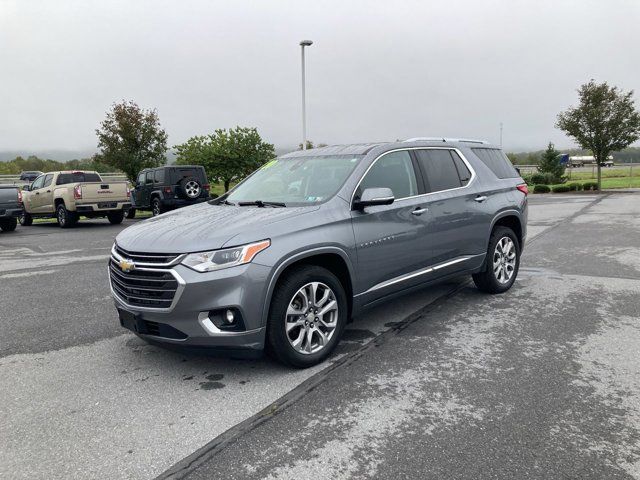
<point x="165" y="188"/>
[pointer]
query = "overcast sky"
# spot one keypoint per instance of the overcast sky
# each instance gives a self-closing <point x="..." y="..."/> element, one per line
<point x="378" y="70"/>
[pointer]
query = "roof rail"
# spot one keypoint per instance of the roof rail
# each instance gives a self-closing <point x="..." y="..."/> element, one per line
<point x="443" y="139"/>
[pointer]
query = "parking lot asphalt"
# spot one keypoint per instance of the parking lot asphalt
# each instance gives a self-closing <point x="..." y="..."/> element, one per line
<point x="541" y="382"/>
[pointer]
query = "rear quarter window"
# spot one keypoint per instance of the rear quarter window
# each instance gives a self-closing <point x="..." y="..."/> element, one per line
<point x="497" y="162"/>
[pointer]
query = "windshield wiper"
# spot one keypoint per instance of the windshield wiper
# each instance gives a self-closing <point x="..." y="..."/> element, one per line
<point x="226" y="202"/>
<point x="260" y="203"/>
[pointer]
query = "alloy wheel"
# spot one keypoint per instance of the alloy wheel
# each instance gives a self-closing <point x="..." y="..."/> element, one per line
<point x="192" y="188"/>
<point x="312" y="318"/>
<point x="504" y="260"/>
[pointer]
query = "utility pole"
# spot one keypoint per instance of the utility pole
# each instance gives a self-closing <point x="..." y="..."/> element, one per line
<point x="500" y="134"/>
<point x="304" y="43"/>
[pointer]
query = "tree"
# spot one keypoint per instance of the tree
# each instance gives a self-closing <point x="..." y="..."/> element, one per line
<point x="131" y="139"/>
<point x="309" y="145"/>
<point x="605" y="121"/>
<point x="227" y="155"/>
<point x="550" y="163"/>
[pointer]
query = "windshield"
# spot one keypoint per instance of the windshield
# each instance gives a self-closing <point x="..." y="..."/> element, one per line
<point x="297" y="180"/>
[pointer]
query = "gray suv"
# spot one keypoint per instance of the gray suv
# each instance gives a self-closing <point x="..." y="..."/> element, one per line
<point x="285" y="259"/>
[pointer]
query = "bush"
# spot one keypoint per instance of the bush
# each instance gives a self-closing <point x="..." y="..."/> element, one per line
<point x="541" y="189"/>
<point x="544" y="179"/>
<point x="574" y="186"/>
<point x="560" y="188"/>
<point x="590" y="185"/>
<point x="527" y="178"/>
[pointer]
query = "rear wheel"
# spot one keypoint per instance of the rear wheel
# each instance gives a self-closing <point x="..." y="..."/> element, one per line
<point x="66" y="219"/>
<point x="115" y="217"/>
<point x="156" y="207"/>
<point x="501" y="264"/>
<point x="307" y="316"/>
<point x="25" y="219"/>
<point x="8" y="224"/>
<point x="131" y="213"/>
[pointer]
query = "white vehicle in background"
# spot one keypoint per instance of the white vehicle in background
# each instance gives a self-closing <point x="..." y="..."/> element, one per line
<point x="582" y="160"/>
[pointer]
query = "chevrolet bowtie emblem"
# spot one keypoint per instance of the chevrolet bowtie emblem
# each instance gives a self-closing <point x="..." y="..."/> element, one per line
<point x="126" y="265"/>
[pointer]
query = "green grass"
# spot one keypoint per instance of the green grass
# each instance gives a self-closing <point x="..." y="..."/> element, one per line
<point x="609" y="183"/>
<point x="622" y="172"/>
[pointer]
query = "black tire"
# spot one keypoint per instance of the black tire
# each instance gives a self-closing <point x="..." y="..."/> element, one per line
<point x="25" y="219"/>
<point x="115" y="218"/>
<point x="66" y="219"/>
<point x="8" y="224"/>
<point x="156" y="207"/>
<point x="277" y="343"/>
<point x="131" y="213"/>
<point x="190" y="188"/>
<point x="488" y="280"/>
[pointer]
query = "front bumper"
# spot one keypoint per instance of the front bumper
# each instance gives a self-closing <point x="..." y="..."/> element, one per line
<point x="242" y="288"/>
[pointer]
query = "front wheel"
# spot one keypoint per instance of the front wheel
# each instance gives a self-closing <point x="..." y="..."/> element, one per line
<point x="307" y="316"/>
<point x="501" y="264"/>
<point x="25" y="219"/>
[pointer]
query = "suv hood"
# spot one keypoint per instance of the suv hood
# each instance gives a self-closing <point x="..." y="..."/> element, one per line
<point x="202" y="227"/>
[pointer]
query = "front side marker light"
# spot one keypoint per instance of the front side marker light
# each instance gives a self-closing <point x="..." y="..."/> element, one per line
<point x="225" y="258"/>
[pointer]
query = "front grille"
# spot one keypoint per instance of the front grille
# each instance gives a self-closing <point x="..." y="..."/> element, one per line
<point x="154" y="258"/>
<point x="143" y="288"/>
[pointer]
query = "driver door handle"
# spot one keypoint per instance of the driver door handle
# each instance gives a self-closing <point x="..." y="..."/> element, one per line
<point x="480" y="198"/>
<point x="419" y="211"/>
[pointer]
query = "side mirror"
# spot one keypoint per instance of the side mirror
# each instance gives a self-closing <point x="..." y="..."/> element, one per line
<point x="26" y="188"/>
<point x="374" y="196"/>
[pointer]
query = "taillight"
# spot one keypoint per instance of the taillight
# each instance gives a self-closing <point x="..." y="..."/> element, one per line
<point x="77" y="192"/>
<point x="128" y="193"/>
<point x="206" y="186"/>
<point x="167" y="190"/>
<point x="19" y="196"/>
<point x="523" y="188"/>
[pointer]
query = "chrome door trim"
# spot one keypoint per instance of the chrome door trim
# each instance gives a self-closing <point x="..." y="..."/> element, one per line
<point x="417" y="273"/>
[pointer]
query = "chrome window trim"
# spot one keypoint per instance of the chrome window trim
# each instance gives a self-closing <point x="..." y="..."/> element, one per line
<point x="464" y="159"/>
<point x="417" y="273"/>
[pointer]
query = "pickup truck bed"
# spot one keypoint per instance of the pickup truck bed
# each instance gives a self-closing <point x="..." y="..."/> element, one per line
<point x="10" y="207"/>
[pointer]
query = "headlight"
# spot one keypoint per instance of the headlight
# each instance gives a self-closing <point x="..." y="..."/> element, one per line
<point x="225" y="258"/>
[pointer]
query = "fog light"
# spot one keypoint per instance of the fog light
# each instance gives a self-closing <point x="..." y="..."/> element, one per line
<point x="229" y="317"/>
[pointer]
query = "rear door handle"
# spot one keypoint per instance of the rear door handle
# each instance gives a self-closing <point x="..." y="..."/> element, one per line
<point x="419" y="211"/>
<point x="480" y="198"/>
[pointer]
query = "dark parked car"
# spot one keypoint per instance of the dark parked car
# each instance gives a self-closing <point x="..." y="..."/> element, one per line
<point x="292" y="253"/>
<point x="166" y="188"/>
<point x="29" y="176"/>
<point x="10" y="207"/>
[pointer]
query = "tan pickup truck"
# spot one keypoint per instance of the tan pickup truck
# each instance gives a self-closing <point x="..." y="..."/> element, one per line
<point x="68" y="195"/>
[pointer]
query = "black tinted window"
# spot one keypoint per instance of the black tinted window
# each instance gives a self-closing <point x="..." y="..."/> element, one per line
<point x="463" y="170"/>
<point x="76" y="177"/>
<point x="180" y="173"/>
<point x="141" y="178"/>
<point x="394" y="171"/>
<point x="439" y="169"/>
<point x="149" y="177"/>
<point x="497" y="162"/>
<point x="159" y="176"/>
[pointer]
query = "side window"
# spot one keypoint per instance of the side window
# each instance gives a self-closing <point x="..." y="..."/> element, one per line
<point x="141" y="177"/>
<point x="37" y="183"/>
<point x="463" y="171"/>
<point x="497" y="162"/>
<point x="158" y="176"/>
<point x="439" y="169"/>
<point x="149" y="178"/>
<point x="47" y="180"/>
<point x="394" y="171"/>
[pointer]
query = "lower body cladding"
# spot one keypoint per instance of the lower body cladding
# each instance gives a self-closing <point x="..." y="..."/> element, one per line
<point x="212" y="312"/>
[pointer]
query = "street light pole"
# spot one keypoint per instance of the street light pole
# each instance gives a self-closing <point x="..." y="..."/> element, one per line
<point x="304" y="43"/>
<point x="500" y="134"/>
